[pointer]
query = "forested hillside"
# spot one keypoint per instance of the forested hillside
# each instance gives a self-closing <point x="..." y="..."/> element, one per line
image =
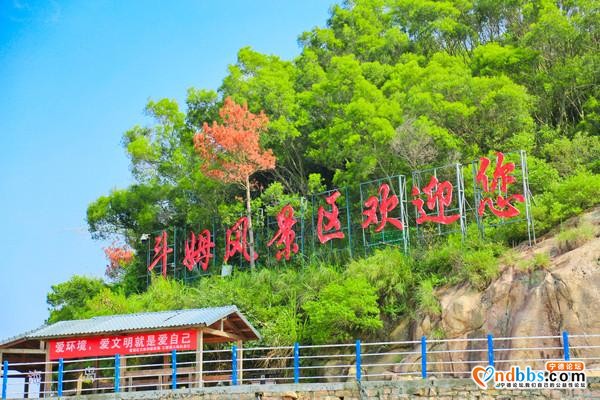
<point x="387" y="87"/>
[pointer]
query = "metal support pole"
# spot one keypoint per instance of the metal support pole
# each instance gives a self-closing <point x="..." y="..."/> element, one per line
<point x="364" y="234"/>
<point x="174" y="369"/>
<point x="403" y="211"/>
<point x="61" y="366"/>
<point x="490" y="349"/>
<point x="348" y="221"/>
<point x="424" y="357"/>
<point x="117" y="373"/>
<point x="565" y="336"/>
<point x="296" y="363"/>
<point x="4" y="379"/>
<point x="358" y="361"/>
<point x="461" y="200"/>
<point x="234" y="368"/>
<point x="477" y="198"/>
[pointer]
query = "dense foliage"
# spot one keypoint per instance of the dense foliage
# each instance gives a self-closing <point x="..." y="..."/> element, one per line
<point x="386" y="87"/>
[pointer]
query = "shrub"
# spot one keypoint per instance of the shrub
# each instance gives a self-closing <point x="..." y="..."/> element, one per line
<point x="343" y="311"/>
<point x="539" y="260"/>
<point x="578" y="192"/>
<point x="389" y="272"/>
<point x="474" y="260"/>
<point x="572" y="238"/>
<point x="479" y="267"/>
<point x="428" y="302"/>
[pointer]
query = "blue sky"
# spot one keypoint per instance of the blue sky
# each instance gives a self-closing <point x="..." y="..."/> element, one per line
<point x="74" y="75"/>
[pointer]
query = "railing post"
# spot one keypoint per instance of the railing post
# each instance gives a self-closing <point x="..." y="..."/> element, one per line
<point x="4" y="379"/>
<point x="565" y="336"/>
<point x="117" y="373"/>
<point x="61" y="366"/>
<point x="234" y="367"/>
<point x="358" y="361"/>
<point x="490" y="349"/>
<point x="296" y="363"/>
<point x="424" y="357"/>
<point x="174" y="369"/>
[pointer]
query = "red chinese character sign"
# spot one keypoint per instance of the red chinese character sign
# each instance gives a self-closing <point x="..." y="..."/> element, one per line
<point x="382" y="205"/>
<point x="236" y="240"/>
<point x="502" y="191"/>
<point x="136" y="343"/>
<point x="439" y="196"/>
<point x="502" y="204"/>
<point x="285" y="235"/>
<point x="329" y="226"/>
<point x="331" y="232"/>
<point x="384" y="217"/>
<point x="438" y="201"/>
<point x="161" y="253"/>
<point x="198" y="250"/>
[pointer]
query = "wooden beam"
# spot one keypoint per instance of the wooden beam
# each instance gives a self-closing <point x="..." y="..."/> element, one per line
<point x="224" y="334"/>
<point x="215" y="339"/>
<point x="199" y="356"/>
<point x="23" y="351"/>
<point x="230" y="326"/>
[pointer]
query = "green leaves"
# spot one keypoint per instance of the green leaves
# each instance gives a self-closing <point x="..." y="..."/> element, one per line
<point x="67" y="299"/>
<point x="387" y="87"/>
<point x="343" y="311"/>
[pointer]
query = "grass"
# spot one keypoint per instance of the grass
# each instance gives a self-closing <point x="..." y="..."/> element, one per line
<point x="428" y="302"/>
<point x="538" y="261"/>
<point x="573" y="238"/>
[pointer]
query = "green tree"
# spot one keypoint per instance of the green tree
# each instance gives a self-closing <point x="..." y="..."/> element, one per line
<point x="68" y="299"/>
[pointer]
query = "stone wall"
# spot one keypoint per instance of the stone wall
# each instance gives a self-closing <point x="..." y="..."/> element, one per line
<point x="443" y="389"/>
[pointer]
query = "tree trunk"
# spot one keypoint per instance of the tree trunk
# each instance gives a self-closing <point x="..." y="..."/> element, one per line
<point x="250" y="229"/>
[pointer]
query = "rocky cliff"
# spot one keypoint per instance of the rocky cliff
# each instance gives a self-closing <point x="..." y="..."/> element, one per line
<point x="541" y="291"/>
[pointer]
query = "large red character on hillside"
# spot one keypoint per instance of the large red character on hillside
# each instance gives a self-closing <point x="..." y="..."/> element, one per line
<point x="331" y="229"/>
<point x="236" y="240"/>
<point x="438" y="194"/>
<point x="161" y="252"/>
<point x="384" y="206"/>
<point x="502" y="206"/>
<point x="198" y="250"/>
<point x="285" y="235"/>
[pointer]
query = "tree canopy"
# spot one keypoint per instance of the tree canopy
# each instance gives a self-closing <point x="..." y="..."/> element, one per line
<point x="387" y="86"/>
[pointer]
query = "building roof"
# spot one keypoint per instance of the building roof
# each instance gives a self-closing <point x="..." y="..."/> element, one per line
<point x="137" y="322"/>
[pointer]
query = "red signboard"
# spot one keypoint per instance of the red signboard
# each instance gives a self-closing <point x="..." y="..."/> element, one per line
<point x="136" y="343"/>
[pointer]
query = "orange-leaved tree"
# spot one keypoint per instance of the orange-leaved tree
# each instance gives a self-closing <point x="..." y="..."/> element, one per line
<point x="118" y="257"/>
<point x="231" y="151"/>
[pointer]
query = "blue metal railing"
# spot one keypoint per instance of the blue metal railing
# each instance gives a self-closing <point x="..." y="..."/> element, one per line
<point x="310" y="363"/>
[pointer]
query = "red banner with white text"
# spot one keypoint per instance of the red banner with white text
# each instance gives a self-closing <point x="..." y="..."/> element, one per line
<point x="136" y="343"/>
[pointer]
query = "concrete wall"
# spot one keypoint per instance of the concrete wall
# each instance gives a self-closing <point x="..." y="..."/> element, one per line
<point x="444" y="389"/>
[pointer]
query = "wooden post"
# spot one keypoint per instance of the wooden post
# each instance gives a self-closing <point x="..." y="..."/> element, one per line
<point x="199" y="356"/>
<point x="240" y="362"/>
<point x="164" y="379"/>
<point x="47" y="375"/>
<point x="122" y="379"/>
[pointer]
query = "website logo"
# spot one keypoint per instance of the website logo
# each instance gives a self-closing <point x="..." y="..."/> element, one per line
<point x="556" y="375"/>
